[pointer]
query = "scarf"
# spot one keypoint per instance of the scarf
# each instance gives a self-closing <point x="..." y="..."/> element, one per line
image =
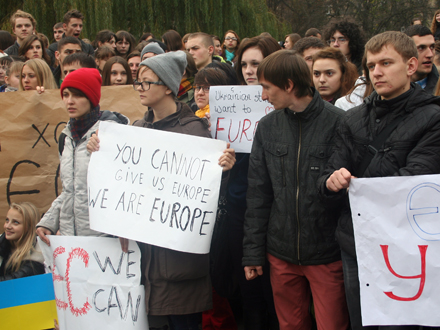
<point x="80" y="126"/>
<point x="229" y="55"/>
<point x="203" y="111"/>
<point x="185" y="86"/>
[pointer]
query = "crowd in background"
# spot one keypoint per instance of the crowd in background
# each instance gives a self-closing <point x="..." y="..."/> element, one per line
<point x="173" y="76"/>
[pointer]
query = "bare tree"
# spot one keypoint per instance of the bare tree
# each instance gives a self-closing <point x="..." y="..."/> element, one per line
<point x="374" y="16"/>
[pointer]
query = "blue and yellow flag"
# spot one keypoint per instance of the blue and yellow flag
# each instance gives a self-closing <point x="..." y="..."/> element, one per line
<point x="28" y="303"/>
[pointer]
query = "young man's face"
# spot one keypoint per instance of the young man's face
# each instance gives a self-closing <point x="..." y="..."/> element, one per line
<point x="389" y="73"/>
<point x="23" y="28"/>
<point x="426" y="49"/>
<point x="278" y="97"/>
<point x="338" y="40"/>
<point x="133" y="63"/>
<point x="308" y="56"/>
<point x="57" y="34"/>
<point x="201" y="54"/>
<point x="67" y="50"/>
<point x="69" y="68"/>
<point x="73" y="28"/>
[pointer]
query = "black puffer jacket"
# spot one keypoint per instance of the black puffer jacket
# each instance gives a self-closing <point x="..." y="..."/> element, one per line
<point x="431" y="83"/>
<point x="284" y="216"/>
<point x="413" y="148"/>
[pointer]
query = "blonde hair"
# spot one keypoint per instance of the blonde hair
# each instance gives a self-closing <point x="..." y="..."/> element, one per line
<point x="22" y="14"/>
<point x="25" y="244"/>
<point x="15" y="67"/>
<point x="42" y="72"/>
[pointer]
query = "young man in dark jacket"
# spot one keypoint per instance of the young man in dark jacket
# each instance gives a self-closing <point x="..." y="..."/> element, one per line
<point x="73" y="25"/>
<point x="23" y="25"/>
<point x="412" y="148"/>
<point x="285" y="221"/>
<point x="427" y="74"/>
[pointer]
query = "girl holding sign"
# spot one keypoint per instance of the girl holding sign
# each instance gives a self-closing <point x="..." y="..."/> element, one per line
<point x="69" y="213"/>
<point x="177" y="283"/>
<point x="19" y="253"/>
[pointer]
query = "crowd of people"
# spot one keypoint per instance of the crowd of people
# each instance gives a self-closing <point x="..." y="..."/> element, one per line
<point x="284" y="238"/>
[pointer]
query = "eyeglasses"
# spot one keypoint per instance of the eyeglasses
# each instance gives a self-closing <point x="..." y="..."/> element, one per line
<point x="231" y="38"/>
<point x="199" y="88"/>
<point x="145" y="85"/>
<point x="340" y="40"/>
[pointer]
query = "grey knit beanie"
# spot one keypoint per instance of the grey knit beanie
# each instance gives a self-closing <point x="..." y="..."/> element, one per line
<point x="169" y="67"/>
<point x="152" y="47"/>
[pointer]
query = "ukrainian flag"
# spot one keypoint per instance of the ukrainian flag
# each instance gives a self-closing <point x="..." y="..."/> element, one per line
<point x="28" y="303"/>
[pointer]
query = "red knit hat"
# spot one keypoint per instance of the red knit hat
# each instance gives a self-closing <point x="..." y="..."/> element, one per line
<point x="88" y="81"/>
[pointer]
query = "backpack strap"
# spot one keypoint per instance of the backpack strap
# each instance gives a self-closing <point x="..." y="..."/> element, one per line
<point x="61" y="141"/>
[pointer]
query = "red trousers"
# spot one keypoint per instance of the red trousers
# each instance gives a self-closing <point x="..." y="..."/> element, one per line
<point x="291" y="285"/>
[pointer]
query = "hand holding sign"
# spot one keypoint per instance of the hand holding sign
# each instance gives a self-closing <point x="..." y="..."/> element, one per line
<point x="227" y="160"/>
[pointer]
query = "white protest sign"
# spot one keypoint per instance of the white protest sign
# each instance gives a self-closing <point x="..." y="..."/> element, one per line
<point x="235" y="112"/>
<point x="155" y="187"/>
<point x="397" y="233"/>
<point x="96" y="284"/>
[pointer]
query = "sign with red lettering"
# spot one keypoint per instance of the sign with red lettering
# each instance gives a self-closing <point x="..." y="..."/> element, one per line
<point x="96" y="284"/>
<point x="158" y="187"/>
<point x="396" y="224"/>
<point x="235" y="113"/>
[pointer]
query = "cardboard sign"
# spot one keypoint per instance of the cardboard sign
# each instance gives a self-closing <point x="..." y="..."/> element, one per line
<point x="29" y="131"/>
<point x="163" y="193"/>
<point x="397" y="233"/>
<point x="96" y="284"/>
<point x="235" y="113"/>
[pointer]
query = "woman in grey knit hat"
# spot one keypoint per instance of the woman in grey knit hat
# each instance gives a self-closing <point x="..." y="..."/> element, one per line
<point x="177" y="283"/>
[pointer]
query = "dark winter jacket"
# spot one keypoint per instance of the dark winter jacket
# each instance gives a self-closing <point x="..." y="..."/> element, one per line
<point x="284" y="216"/>
<point x="177" y="282"/>
<point x="13" y="50"/>
<point x="57" y="75"/>
<point x="32" y="264"/>
<point x="413" y="148"/>
<point x="432" y="80"/>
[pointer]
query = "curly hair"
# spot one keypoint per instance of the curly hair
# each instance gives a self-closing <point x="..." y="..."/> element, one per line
<point x="351" y="30"/>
